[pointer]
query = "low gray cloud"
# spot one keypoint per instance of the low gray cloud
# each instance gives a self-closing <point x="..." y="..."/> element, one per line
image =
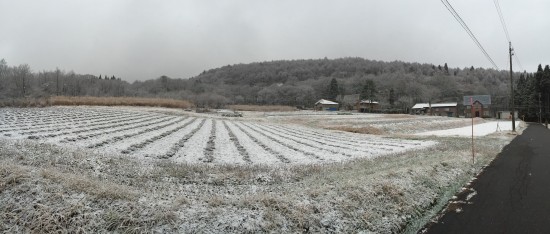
<point x="139" y="40"/>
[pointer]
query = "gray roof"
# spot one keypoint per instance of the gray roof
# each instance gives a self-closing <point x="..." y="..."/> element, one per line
<point x="483" y="99"/>
<point x="434" y="105"/>
<point x="326" y="102"/>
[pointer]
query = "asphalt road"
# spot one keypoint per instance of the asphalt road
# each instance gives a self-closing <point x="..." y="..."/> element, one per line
<point x="513" y="192"/>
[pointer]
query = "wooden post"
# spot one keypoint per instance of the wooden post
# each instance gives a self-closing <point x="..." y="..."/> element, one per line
<point x="472" y="109"/>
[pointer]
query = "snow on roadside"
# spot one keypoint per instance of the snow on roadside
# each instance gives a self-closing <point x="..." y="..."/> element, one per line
<point x="479" y="129"/>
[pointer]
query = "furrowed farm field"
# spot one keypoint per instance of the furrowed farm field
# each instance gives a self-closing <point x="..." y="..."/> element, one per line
<point x="192" y="139"/>
<point x="143" y="169"/>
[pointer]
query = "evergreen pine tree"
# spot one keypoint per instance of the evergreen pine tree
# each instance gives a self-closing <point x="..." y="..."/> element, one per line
<point x="332" y="92"/>
<point x="446" y="69"/>
<point x="392" y="97"/>
<point x="368" y="91"/>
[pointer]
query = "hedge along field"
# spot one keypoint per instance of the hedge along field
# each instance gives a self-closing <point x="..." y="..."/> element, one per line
<point x="192" y="139"/>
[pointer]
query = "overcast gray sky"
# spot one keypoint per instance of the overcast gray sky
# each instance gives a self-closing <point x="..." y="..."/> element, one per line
<point x="141" y="39"/>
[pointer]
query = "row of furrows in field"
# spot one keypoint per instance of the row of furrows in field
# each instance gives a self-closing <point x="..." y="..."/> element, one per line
<point x="292" y="144"/>
<point x="320" y="142"/>
<point x="31" y="118"/>
<point x="131" y="125"/>
<point x="142" y="144"/>
<point x="86" y="120"/>
<point x="358" y="141"/>
<point x="17" y="123"/>
<point x="181" y="142"/>
<point x="233" y="138"/>
<point x="323" y="139"/>
<point x="262" y="145"/>
<point x="89" y="126"/>
<point x="39" y="126"/>
<point x="133" y="134"/>
<point x="210" y="145"/>
<point x="77" y="129"/>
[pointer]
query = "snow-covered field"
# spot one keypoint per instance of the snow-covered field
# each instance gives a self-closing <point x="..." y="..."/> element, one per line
<point x="141" y="133"/>
<point x="143" y="169"/>
<point x="478" y="129"/>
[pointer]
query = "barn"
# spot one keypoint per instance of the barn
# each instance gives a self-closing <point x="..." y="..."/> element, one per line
<point x="368" y="106"/>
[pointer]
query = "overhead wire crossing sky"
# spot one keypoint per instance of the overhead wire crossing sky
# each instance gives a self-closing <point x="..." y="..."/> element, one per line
<point x="505" y="27"/>
<point x="467" y="29"/>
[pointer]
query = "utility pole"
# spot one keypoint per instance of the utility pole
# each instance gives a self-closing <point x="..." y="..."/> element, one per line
<point x="512" y="91"/>
<point x="57" y="82"/>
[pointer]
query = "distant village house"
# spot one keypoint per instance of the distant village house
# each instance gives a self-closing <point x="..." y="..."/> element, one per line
<point x="368" y="106"/>
<point x="326" y="105"/>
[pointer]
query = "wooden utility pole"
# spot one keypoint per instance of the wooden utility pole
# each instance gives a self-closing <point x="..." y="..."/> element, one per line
<point x="472" y="115"/>
<point x="512" y="91"/>
<point x="57" y="82"/>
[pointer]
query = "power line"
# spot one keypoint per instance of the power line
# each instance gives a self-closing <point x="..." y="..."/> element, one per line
<point x="467" y="29"/>
<point x="497" y="5"/>
<point x="504" y="26"/>
<point x="517" y="60"/>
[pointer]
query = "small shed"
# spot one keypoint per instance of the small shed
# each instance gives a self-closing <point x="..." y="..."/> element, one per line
<point x="507" y="114"/>
<point x="326" y="105"/>
<point x="368" y="106"/>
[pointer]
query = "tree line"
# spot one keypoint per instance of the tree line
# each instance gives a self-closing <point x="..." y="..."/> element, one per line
<point x="532" y="94"/>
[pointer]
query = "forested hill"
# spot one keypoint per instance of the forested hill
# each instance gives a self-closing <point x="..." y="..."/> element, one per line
<point x="301" y="82"/>
<point x="396" y="85"/>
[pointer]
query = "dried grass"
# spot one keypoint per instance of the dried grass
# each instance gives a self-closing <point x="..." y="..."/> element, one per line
<point x="25" y="102"/>
<point x="83" y="183"/>
<point x="381" y="195"/>
<point x="119" y="101"/>
<point x="266" y="108"/>
<point x="363" y="130"/>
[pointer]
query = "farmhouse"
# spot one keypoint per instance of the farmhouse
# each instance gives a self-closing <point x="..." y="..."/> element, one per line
<point x="481" y="106"/>
<point x="367" y="106"/>
<point x="438" y="109"/>
<point x="326" y="105"/>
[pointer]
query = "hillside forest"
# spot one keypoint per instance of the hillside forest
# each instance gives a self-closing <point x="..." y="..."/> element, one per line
<point x="396" y="85"/>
